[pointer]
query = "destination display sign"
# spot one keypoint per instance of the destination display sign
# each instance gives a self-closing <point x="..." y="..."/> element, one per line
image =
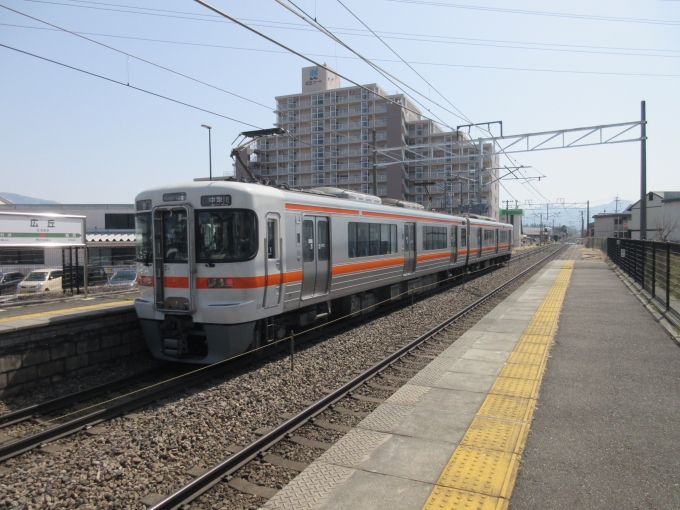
<point x="49" y="230"/>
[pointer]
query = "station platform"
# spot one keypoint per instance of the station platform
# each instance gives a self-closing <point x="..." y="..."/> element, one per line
<point x="521" y="413"/>
<point x="16" y="316"/>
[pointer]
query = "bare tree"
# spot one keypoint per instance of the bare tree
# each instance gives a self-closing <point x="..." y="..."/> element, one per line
<point x="670" y="223"/>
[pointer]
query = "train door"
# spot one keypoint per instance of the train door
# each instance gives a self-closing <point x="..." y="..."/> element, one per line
<point x="497" y="234"/>
<point x="315" y="256"/>
<point x="409" y="248"/>
<point x="173" y="259"/>
<point x="454" y="244"/>
<point x="273" y="268"/>
<point x="464" y="241"/>
<point x="480" y="239"/>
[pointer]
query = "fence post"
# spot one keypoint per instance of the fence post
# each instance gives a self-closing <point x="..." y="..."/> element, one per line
<point x="653" y="270"/>
<point x="642" y="276"/>
<point x="668" y="276"/>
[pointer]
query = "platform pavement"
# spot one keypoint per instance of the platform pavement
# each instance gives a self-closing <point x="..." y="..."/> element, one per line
<point x="427" y="445"/>
<point x="453" y="437"/>
<point x="31" y="315"/>
<point x="606" y="432"/>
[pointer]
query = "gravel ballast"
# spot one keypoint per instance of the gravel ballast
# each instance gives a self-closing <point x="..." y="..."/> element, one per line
<point x="151" y="451"/>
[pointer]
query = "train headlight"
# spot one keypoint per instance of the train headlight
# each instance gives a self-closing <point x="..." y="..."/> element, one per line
<point x="220" y="283"/>
<point x="145" y="281"/>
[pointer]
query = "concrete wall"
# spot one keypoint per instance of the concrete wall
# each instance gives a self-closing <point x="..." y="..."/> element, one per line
<point x="68" y="347"/>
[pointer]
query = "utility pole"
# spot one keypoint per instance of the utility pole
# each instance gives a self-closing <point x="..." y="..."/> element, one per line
<point x="643" y="174"/>
<point x="540" y="238"/>
<point x="617" y="204"/>
<point x="553" y="229"/>
<point x="507" y="212"/>
<point x="582" y="231"/>
<point x="375" y="171"/>
<point x="588" y="216"/>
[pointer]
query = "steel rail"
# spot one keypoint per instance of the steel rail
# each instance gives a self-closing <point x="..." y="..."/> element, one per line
<point x="237" y="460"/>
<point x="58" y="431"/>
<point x="55" y="404"/>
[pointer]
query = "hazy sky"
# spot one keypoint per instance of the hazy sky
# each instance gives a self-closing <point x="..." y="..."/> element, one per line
<point x="76" y="138"/>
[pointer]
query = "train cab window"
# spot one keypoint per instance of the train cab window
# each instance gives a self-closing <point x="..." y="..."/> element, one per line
<point x="322" y="239"/>
<point x="175" y="240"/>
<point x="271" y="239"/>
<point x="463" y="237"/>
<point x="226" y="236"/>
<point x="143" y="238"/>
<point x="308" y="241"/>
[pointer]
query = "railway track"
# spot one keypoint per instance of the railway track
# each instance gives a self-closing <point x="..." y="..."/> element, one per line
<point x="257" y="449"/>
<point x="92" y="416"/>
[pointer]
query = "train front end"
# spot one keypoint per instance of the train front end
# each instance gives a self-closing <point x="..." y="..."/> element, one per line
<point x="197" y="247"/>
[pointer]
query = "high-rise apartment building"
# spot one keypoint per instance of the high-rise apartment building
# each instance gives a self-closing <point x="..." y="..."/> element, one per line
<point x="332" y="130"/>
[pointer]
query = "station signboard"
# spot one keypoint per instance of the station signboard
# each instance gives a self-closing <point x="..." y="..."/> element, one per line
<point x="41" y="229"/>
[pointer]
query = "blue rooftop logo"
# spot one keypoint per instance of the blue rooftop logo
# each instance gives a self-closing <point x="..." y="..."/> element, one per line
<point x="314" y="72"/>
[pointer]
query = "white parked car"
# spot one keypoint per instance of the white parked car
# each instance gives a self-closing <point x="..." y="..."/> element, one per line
<point x="41" y="280"/>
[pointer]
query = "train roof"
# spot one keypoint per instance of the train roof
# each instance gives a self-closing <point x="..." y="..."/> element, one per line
<point x="322" y="196"/>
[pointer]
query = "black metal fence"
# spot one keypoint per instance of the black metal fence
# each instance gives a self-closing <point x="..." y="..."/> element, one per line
<point x="655" y="266"/>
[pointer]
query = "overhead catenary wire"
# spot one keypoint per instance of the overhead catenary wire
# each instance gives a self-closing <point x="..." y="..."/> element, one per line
<point x="56" y="27"/>
<point x="128" y="86"/>
<point x="431" y="38"/>
<point x="321" y="66"/>
<point x="435" y="64"/>
<point x="389" y="76"/>
<point x="541" y="13"/>
<point x="465" y="117"/>
<point x="308" y="59"/>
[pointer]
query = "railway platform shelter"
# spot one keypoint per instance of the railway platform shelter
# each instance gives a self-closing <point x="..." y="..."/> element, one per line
<point x="566" y="395"/>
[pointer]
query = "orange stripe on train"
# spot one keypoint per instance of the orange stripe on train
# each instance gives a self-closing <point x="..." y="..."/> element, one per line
<point x="365" y="266"/>
<point x="176" y="282"/>
<point x="252" y="282"/>
<point x="314" y="208"/>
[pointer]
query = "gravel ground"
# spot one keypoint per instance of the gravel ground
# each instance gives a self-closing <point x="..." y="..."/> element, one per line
<point x="151" y="451"/>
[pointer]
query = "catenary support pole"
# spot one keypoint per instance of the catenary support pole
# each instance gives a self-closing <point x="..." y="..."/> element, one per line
<point x="643" y="174"/>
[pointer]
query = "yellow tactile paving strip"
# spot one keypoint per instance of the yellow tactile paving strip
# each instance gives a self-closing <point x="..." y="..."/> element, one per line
<point x="481" y="472"/>
<point x="66" y="311"/>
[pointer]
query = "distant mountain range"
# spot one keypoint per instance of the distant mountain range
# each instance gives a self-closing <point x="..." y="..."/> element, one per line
<point x="575" y="214"/>
<point x="21" y="199"/>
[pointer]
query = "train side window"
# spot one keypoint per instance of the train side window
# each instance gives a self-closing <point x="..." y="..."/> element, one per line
<point x="362" y="239"/>
<point x="271" y="239"/>
<point x="308" y="241"/>
<point x="434" y="238"/>
<point x="352" y="246"/>
<point x="388" y="239"/>
<point x="370" y="239"/>
<point x="374" y="239"/>
<point x="463" y="237"/>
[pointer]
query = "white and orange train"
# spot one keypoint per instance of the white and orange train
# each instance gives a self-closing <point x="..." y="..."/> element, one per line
<point x="224" y="266"/>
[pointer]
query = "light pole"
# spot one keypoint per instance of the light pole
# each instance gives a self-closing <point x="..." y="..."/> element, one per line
<point x="209" y="128"/>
